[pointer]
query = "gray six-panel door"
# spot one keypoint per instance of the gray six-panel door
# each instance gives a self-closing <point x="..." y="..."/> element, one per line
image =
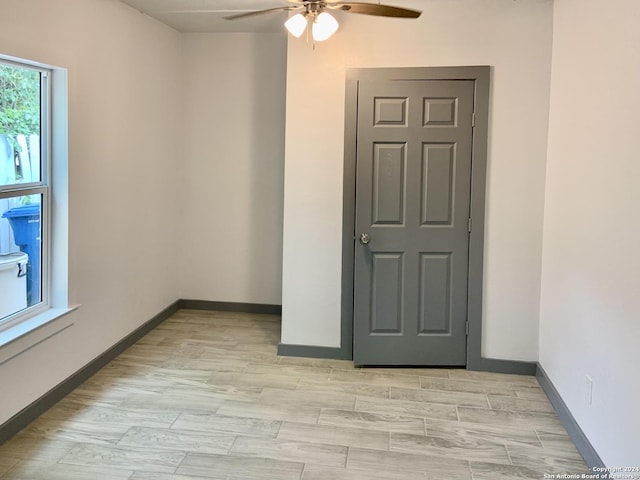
<point x="414" y="143"/>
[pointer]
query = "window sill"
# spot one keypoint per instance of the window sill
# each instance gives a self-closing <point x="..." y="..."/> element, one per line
<point x="27" y="334"/>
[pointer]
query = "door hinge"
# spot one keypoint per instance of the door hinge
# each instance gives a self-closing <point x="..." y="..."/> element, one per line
<point x="469" y="225"/>
<point x="466" y="329"/>
<point x="473" y="119"/>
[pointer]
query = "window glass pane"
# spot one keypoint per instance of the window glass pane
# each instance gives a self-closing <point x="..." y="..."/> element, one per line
<point x="20" y="112"/>
<point x="20" y="253"/>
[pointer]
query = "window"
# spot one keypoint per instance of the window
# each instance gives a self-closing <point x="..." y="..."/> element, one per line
<point x="24" y="190"/>
<point x="34" y="254"/>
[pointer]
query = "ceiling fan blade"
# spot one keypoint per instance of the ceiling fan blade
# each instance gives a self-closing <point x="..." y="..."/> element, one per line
<point x="262" y="12"/>
<point x="375" y="9"/>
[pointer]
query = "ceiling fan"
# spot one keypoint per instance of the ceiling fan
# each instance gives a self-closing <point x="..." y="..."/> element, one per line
<point x="323" y="23"/>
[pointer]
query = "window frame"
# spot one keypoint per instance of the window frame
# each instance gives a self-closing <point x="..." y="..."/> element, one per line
<point x="24" y="321"/>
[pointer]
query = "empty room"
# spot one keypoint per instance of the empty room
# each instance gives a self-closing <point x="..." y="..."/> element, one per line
<point x="309" y="239"/>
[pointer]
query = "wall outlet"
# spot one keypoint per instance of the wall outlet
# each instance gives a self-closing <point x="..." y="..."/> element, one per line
<point x="589" y="389"/>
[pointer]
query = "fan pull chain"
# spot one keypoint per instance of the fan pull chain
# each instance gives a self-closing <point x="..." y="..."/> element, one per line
<point x="313" y="44"/>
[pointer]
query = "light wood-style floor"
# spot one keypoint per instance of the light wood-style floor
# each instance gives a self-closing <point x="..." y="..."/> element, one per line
<point x="204" y="396"/>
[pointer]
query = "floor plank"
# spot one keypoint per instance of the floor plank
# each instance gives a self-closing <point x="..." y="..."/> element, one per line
<point x="334" y="435"/>
<point x="437" y="396"/>
<point x="493" y="471"/>
<point x="276" y="396"/>
<point x="240" y="468"/>
<point x="147" y="417"/>
<point x="321" y="472"/>
<point x="485" y="387"/>
<point x="204" y="396"/>
<point x="501" y="402"/>
<point x="547" y="458"/>
<point x="406" y="462"/>
<point x="531" y="393"/>
<point x="75" y="431"/>
<point x="543" y="421"/>
<point x="57" y="471"/>
<point x="350" y="388"/>
<point x="123" y="458"/>
<point x="423" y="372"/>
<point x="169" y="476"/>
<point x="557" y="442"/>
<point x="207" y="422"/>
<point x="260" y="380"/>
<point x="406" y="407"/>
<point x="464" y="449"/>
<point x="188" y="399"/>
<point x="272" y="412"/>
<point x="289" y="450"/>
<point x="180" y="440"/>
<point x="462" y="374"/>
<point x="372" y="421"/>
<point x="363" y="377"/>
<point x="298" y="371"/>
<point x="29" y="449"/>
<point x="482" y="432"/>
<point x="316" y="362"/>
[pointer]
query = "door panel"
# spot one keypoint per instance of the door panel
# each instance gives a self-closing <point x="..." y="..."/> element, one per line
<point x="440" y="112"/>
<point x="388" y="183"/>
<point x="386" y="293"/>
<point x="438" y="167"/>
<point x="412" y="199"/>
<point x="390" y="111"/>
<point x="435" y="294"/>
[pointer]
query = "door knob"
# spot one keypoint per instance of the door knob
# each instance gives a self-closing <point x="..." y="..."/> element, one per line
<point x="364" y="238"/>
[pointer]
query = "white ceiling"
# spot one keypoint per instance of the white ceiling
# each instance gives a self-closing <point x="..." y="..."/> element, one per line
<point x="208" y="15"/>
<point x="205" y="16"/>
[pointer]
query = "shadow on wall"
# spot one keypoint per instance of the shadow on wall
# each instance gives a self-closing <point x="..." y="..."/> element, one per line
<point x="267" y="163"/>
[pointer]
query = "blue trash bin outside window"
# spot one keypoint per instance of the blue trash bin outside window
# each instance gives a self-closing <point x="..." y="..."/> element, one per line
<point x="25" y="223"/>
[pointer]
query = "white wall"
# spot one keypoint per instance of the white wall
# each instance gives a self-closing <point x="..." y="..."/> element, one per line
<point x="589" y="321"/>
<point x="514" y="37"/>
<point x="231" y="241"/>
<point x="124" y="129"/>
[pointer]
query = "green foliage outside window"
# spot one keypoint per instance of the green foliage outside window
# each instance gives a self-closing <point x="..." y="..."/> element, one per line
<point x="19" y="103"/>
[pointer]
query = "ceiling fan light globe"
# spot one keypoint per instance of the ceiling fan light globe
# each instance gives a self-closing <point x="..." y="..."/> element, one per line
<point x="323" y="27"/>
<point x="296" y="25"/>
